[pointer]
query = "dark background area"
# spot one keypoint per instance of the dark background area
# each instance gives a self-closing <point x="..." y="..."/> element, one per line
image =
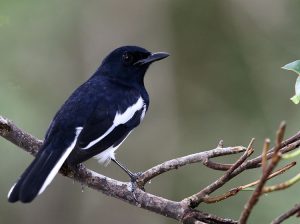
<point x="222" y="81"/>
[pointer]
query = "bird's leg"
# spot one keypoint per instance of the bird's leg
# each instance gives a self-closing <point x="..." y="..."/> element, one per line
<point x="133" y="176"/>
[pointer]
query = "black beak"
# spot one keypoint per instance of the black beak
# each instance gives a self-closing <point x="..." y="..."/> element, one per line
<point x="152" y="58"/>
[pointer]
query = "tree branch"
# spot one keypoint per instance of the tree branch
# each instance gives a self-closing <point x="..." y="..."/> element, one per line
<point x="122" y="190"/>
<point x="12" y="133"/>
<point x="184" y="210"/>
<point x="197" y="198"/>
<point x="185" y="160"/>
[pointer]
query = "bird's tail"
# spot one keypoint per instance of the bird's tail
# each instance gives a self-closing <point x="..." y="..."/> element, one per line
<point x="39" y="174"/>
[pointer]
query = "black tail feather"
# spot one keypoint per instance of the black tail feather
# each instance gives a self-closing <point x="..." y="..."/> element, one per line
<point x="34" y="177"/>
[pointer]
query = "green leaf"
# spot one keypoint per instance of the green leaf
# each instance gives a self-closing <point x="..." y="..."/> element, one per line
<point x="296" y="98"/>
<point x="293" y="66"/>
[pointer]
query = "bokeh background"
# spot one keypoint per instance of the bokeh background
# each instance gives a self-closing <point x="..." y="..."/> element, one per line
<point x="222" y="81"/>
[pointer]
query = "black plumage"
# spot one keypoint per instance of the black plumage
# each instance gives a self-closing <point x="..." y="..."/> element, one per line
<point x="94" y="121"/>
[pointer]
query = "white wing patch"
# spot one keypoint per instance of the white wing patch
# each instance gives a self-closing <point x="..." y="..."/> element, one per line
<point x="60" y="162"/>
<point x="121" y="119"/>
<point x="129" y="112"/>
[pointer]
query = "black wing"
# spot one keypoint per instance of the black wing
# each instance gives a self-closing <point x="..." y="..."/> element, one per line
<point x="101" y="125"/>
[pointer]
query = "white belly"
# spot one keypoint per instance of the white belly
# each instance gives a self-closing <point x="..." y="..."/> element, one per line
<point x="108" y="154"/>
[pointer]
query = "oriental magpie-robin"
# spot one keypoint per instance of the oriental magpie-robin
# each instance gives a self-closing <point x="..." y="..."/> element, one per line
<point x="94" y="121"/>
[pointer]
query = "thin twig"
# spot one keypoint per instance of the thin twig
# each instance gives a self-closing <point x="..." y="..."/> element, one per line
<point x="236" y="190"/>
<point x="280" y="133"/>
<point x="258" y="190"/>
<point x="216" y="166"/>
<point x="286" y="215"/>
<point x="285" y="147"/>
<point x="274" y="174"/>
<point x="205" y="217"/>
<point x="220" y="144"/>
<point x="283" y="185"/>
<point x="185" y="160"/>
<point x="197" y="198"/>
<point x="264" y="160"/>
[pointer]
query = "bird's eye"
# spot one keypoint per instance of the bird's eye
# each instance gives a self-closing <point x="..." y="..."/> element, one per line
<point x="127" y="58"/>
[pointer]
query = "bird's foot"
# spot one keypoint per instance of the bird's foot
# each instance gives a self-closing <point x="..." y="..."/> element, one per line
<point x="135" y="176"/>
<point x="134" y="185"/>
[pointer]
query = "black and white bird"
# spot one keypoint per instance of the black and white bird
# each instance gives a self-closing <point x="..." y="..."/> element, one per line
<point x="94" y="121"/>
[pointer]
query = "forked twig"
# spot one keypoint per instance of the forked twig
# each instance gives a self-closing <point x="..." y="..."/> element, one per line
<point x="258" y="190"/>
<point x="199" y="197"/>
<point x="236" y="190"/>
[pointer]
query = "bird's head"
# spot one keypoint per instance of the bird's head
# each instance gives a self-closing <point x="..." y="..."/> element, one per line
<point x="129" y="63"/>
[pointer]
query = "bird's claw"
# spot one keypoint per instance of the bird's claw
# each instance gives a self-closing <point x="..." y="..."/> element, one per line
<point x="135" y="176"/>
<point x="134" y="185"/>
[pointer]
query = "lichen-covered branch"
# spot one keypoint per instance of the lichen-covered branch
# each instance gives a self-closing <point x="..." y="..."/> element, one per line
<point x="15" y="135"/>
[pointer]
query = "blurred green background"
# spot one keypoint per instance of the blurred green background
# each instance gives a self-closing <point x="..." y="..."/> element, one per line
<point x="222" y="81"/>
